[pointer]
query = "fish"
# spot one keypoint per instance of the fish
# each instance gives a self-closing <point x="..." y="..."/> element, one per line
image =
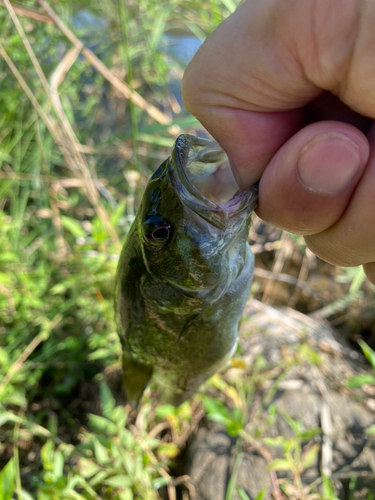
<point x="184" y="273"/>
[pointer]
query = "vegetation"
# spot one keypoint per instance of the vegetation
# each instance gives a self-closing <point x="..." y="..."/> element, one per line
<point x="90" y="105"/>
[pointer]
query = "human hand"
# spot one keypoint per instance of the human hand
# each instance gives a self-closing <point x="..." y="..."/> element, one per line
<point x="288" y="90"/>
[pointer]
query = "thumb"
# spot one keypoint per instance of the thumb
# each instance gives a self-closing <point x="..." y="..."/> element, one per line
<point x="312" y="177"/>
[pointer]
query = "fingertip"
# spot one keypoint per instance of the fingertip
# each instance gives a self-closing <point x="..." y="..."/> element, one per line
<point x="329" y="163"/>
<point x="369" y="270"/>
<point x="308" y="183"/>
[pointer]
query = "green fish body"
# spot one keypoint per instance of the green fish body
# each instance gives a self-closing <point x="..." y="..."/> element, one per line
<point x="184" y="274"/>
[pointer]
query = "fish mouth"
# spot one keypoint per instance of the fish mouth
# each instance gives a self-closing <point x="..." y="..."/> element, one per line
<point x="204" y="181"/>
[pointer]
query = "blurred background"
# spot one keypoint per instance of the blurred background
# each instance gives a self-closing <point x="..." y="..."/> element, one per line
<point x="90" y="105"/>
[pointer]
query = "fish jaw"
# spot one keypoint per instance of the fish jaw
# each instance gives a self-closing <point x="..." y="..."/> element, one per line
<point x="189" y="153"/>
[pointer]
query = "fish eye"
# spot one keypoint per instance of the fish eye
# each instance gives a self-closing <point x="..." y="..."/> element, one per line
<point x="158" y="231"/>
<point x="160" y="234"/>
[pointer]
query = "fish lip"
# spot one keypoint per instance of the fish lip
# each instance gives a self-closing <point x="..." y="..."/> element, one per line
<point x="219" y="216"/>
<point x="180" y="154"/>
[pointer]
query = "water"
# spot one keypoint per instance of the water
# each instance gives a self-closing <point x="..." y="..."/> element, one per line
<point x="182" y="47"/>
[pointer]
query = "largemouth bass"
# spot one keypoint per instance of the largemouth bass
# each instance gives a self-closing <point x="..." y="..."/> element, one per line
<point x="185" y="273"/>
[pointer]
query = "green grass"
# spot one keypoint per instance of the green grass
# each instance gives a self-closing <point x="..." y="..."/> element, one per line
<point x="60" y="234"/>
<point x="70" y="182"/>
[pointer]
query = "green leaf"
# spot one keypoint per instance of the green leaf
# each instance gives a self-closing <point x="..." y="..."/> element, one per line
<point x="47" y="455"/>
<point x="70" y="492"/>
<point x="43" y="496"/>
<point x="126" y="438"/>
<point x="219" y="419"/>
<point x="52" y="425"/>
<point x="119" y="416"/>
<point x="160" y="482"/>
<point x="279" y="464"/>
<point x="87" y="467"/>
<point x="107" y="400"/>
<point x="233" y="428"/>
<point x="215" y="408"/>
<point x="98" y="478"/>
<point x="368" y="352"/>
<point x="58" y="464"/>
<point x="294" y="424"/>
<point x="230" y="5"/>
<point x="128" y="462"/>
<point x="309" y="458"/>
<point x="308" y="434"/>
<point x="5" y="279"/>
<point x="6" y="417"/>
<point x="126" y="494"/>
<point x="7" y="257"/>
<point x="73" y="482"/>
<point x="169" y="450"/>
<point x="277" y="442"/>
<point x="260" y="495"/>
<point x="7" y="481"/>
<point x="165" y="410"/>
<point x="58" y="289"/>
<point x="101" y="452"/>
<point x="24" y="495"/>
<point x="243" y="495"/>
<point x="360" y="380"/>
<point x="102" y="425"/>
<point x="328" y="489"/>
<point x="237" y="415"/>
<point x="309" y="354"/>
<point x="358" y="280"/>
<point x="102" y="353"/>
<point x="371" y="429"/>
<point x="4" y="357"/>
<point x="120" y="481"/>
<point x="73" y="226"/>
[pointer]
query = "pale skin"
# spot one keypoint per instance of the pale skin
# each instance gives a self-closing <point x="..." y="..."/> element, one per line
<point x="287" y="87"/>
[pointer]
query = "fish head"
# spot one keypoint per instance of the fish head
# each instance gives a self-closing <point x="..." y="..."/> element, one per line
<point x="193" y="219"/>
